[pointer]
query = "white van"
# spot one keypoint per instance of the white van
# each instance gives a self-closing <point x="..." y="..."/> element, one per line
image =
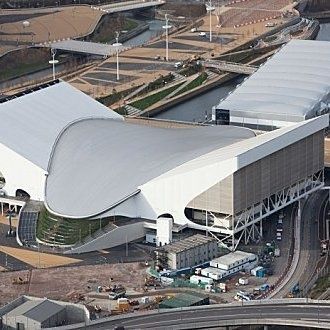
<point x="178" y="65"/>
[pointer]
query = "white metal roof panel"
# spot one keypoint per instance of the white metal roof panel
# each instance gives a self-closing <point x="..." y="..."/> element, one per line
<point x="89" y="176"/>
<point x="290" y="86"/>
<point x="31" y="123"/>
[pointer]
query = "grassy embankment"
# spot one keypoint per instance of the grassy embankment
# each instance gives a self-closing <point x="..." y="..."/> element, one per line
<point x="62" y="231"/>
<point x="149" y="100"/>
<point x="193" y="84"/>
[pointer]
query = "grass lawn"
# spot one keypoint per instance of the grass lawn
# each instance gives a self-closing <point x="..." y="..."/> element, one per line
<point x="20" y="69"/>
<point x="148" y="101"/>
<point x="64" y="231"/>
<point x="22" y="62"/>
<point x="106" y="31"/>
<point x="193" y="84"/>
<point x="115" y="97"/>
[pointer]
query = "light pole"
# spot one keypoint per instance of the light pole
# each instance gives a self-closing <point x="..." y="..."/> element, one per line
<point x="117" y="44"/>
<point x="53" y="61"/>
<point x="210" y="11"/>
<point x="166" y="27"/>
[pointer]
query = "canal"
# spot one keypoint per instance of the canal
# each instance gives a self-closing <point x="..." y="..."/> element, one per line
<point x="200" y="107"/>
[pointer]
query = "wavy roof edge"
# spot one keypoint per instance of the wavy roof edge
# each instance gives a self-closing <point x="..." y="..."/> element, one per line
<point x="32" y="120"/>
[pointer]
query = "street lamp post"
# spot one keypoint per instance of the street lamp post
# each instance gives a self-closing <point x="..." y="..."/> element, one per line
<point x="117" y="44"/>
<point x="166" y="27"/>
<point x="210" y="11"/>
<point x="53" y="61"/>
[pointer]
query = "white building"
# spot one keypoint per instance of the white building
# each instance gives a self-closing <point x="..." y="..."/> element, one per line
<point x="84" y="161"/>
<point x="215" y="273"/>
<point x="292" y="86"/>
<point x="195" y="279"/>
<point x="234" y="262"/>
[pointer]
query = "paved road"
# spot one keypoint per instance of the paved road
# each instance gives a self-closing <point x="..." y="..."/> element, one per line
<point x="310" y="245"/>
<point x="209" y="317"/>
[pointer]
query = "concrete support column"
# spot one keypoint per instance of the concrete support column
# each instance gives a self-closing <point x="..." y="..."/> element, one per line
<point x="265" y="327"/>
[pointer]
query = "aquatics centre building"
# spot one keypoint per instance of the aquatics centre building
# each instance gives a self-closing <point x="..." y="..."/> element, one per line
<point x="84" y="161"/>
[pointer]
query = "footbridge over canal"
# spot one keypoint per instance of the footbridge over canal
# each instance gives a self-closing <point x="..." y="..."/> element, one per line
<point x="230" y="67"/>
<point x="128" y="5"/>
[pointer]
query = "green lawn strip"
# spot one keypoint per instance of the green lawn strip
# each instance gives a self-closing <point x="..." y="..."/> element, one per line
<point x="115" y="96"/>
<point x="106" y="33"/>
<point x="130" y="25"/>
<point x="190" y="70"/>
<point x="193" y="84"/>
<point x="149" y="100"/>
<point x="65" y="231"/>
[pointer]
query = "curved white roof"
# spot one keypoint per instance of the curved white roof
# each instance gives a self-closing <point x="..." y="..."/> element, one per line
<point x="98" y="163"/>
<point x="290" y="86"/>
<point x="31" y="123"/>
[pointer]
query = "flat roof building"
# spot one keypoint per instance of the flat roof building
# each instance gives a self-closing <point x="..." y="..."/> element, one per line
<point x="235" y="259"/>
<point x="189" y="252"/>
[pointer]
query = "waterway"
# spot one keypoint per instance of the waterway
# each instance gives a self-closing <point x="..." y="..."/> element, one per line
<point x="200" y="107"/>
<point x="324" y="33"/>
<point x="155" y="29"/>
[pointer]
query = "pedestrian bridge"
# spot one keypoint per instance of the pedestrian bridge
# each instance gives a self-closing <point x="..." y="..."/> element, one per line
<point x="128" y="5"/>
<point x="230" y="67"/>
<point x="84" y="47"/>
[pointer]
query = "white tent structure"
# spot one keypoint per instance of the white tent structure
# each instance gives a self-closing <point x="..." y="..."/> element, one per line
<point x="290" y="87"/>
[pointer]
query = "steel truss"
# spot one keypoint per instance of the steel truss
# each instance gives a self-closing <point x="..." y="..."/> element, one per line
<point x="248" y="223"/>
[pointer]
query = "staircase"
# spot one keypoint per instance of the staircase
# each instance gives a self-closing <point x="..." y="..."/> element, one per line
<point x="178" y="77"/>
<point x="131" y="111"/>
<point x="211" y="75"/>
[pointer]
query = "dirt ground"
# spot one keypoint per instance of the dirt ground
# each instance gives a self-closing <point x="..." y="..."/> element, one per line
<point x="36" y="259"/>
<point x="61" y="283"/>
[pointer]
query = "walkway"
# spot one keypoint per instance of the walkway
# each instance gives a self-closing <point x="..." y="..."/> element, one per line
<point x="128" y="5"/>
<point x="85" y="47"/>
<point x="230" y="67"/>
